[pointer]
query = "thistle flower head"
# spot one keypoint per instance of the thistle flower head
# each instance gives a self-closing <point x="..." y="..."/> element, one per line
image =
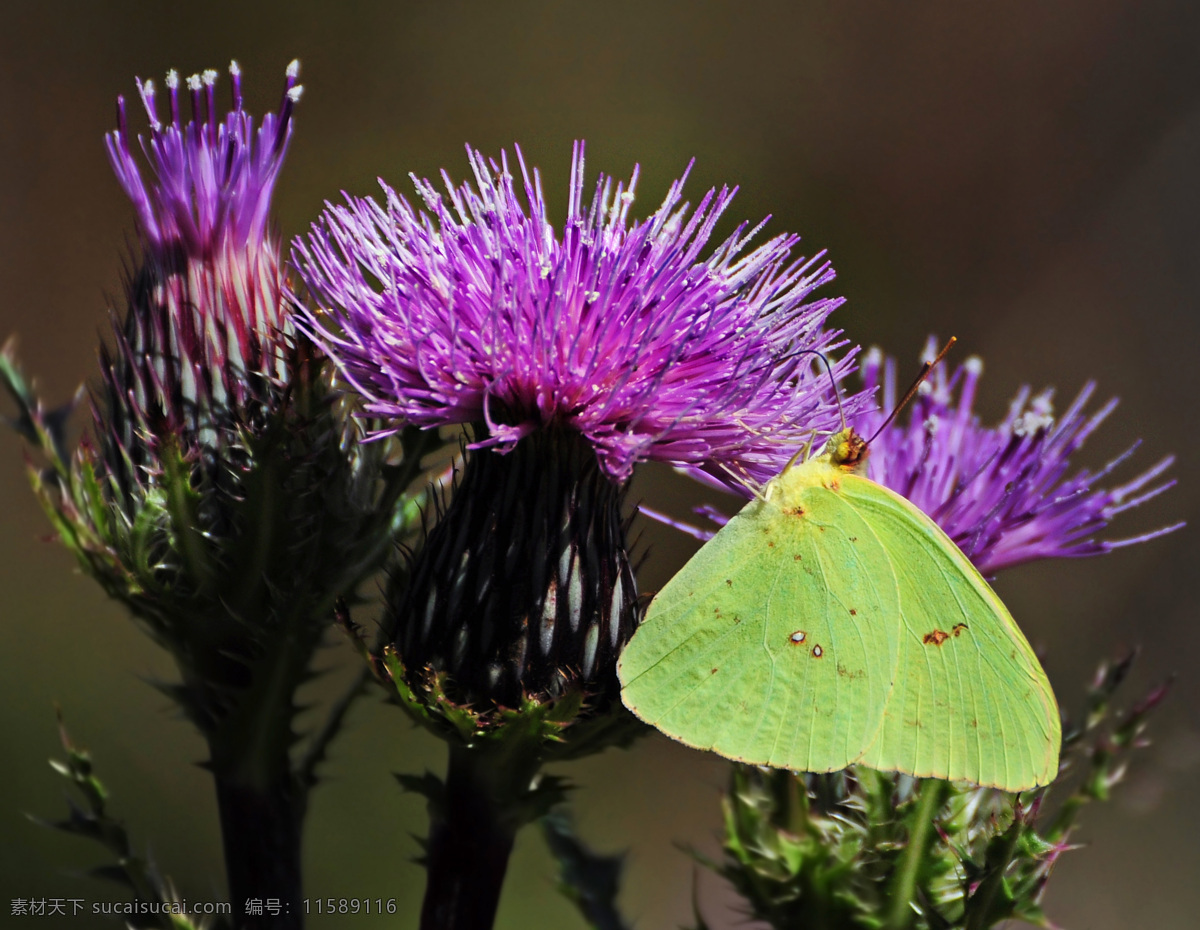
<point x="622" y="331"/>
<point x="1005" y="494"/>
<point x="226" y="498"/>
<point x="212" y="177"/>
<point x="202" y="340"/>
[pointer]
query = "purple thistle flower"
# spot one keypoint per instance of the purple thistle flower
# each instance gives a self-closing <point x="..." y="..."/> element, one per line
<point x="573" y="356"/>
<point x="1001" y="493"/>
<point x="480" y="312"/>
<point x="230" y="497"/>
<point x="213" y="178"/>
<point x="226" y="499"/>
<point x="202" y="344"/>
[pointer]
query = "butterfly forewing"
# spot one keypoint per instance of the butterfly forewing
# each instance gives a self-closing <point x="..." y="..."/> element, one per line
<point x="774" y="644"/>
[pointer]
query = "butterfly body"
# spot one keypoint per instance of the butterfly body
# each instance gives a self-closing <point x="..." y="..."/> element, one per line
<point x="831" y="622"/>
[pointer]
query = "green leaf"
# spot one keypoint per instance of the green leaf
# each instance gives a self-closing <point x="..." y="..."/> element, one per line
<point x="93" y="821"/>
<point x="588" y="879"/>
<point x="183" y="504"/>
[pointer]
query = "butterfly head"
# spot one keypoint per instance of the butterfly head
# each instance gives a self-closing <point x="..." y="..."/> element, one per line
<point x="848" y="450"/>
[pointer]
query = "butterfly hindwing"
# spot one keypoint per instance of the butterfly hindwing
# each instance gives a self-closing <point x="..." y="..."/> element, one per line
<point x="971" y="701"/>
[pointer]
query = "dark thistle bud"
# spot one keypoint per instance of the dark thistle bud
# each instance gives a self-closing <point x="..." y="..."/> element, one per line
<point x="524" y="587"/>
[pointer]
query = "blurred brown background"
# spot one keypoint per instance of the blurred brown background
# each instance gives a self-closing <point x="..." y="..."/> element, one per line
<point x="1023" y="176"/>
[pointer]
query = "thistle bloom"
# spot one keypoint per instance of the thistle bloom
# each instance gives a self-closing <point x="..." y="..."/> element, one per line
<point x="247" y="504"/>
<point x="1002" y="493"/>
<point x="480" y="312"/>
<point x="573" y="356"/>
<point x="201" y="348"/>
<point x="226" y="498"/>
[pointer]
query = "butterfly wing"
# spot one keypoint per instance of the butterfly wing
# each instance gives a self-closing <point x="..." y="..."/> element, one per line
<point x="970" y="700"/>
<point x="777" y="643"/>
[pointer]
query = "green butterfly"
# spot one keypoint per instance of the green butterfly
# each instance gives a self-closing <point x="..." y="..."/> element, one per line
<point x="831" y="622"/>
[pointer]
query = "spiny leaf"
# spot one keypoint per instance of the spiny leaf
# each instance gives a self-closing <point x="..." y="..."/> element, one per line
<point x="589" y="879"/>
<point x="428" y="786"/>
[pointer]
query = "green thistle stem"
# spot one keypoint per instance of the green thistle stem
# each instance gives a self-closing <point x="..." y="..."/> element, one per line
<point x="261" y="801"/>
<point x="904" y="883"/>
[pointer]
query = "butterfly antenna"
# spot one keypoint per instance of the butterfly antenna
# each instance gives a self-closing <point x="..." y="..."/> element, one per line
<point x="926" y="368"/>
<point x="837" y="395"/>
